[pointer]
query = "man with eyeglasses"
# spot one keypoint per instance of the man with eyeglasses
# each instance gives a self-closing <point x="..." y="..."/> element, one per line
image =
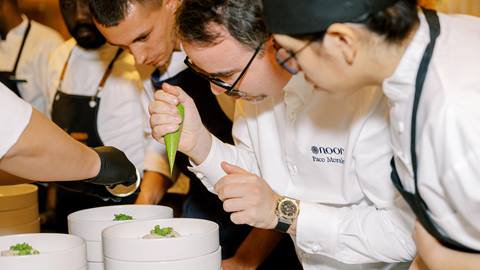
<point x="306" y="163"/>
<point x="145" y="28"/>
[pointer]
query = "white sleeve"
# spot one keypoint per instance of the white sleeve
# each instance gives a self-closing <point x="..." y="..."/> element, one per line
<point x="241" y="154"/>
<point x="457" y="133"/>
<point x="379" y="228"/>
<point x="14" y="118"/>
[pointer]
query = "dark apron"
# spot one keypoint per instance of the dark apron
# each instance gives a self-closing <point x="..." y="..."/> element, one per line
<point x="77" y="115"/>
<point x="415" y="201"/>
<point x="8" y="78"/>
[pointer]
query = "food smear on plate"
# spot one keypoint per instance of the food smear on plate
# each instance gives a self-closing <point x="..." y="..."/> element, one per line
<point x="121" y="216"/>
<point x="20" y="250"/>
<point x="159" y="232"/>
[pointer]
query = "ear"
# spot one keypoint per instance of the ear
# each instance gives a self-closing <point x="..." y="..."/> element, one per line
<point x="342" y="37"/>
<point x="172" y="5"/>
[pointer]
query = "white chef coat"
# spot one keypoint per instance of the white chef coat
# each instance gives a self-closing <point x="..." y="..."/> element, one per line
<point x="448" y="125"/>
<point x="333" y="155"/>
<point x="121" y="118"/>
<point x="14" y="118"/>
<point x="41" y="41"/>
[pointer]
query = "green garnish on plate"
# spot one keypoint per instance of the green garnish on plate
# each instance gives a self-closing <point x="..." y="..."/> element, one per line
<point x="120" y="217"/>
<point x="23" y="249"/>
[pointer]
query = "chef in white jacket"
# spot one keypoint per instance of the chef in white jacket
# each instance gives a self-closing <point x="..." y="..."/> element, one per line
<point x="24" y="49"/>
<point x="427" y="64"/>
<point x="305" y="163"/>
<point x="95" y="94"/>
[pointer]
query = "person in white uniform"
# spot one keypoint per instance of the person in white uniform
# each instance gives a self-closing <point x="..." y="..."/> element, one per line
<point x="426" y="62"/>
<point x="34" y="148"/>
<point x="95" y="94"/>
<point x="24" y="49"/>
<point x="304" y="163"/>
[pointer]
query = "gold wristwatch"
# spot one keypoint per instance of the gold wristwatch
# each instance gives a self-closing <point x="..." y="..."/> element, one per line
<point x="287" y="212"/>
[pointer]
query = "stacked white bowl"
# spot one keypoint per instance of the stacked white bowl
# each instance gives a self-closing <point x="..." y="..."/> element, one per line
<point x="197" y="246"/>
<point x="57" y="252"/>
<point x="89" y="224"/>
<point x="19" y="209"/>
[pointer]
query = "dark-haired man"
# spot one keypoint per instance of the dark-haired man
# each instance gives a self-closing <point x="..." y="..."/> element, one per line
<point x="146" y="28"/>
<point x="95" y="94"/>
<point x="305" y="163"/>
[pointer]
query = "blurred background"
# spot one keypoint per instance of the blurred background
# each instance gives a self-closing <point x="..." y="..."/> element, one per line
<point x="47" y="11"/>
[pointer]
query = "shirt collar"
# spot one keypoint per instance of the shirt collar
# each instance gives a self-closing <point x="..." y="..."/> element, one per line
<point x="18" y="30"/>
<point x="401" y="85"/>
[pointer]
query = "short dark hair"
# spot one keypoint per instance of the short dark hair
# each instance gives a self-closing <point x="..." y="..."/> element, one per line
<point x="112" y="12"/>
<point x="393" y="23"/>
<point x="241" y="18"/>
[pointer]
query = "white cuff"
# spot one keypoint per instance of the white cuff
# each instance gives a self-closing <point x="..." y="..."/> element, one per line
<point x="317" y="229"/>
<point x="210" y="171"/>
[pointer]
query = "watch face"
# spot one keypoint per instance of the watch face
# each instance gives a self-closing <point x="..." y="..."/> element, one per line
<point x="288" y="208"/>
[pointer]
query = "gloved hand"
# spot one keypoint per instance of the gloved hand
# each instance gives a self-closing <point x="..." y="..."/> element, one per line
<point x="115" y="168"/>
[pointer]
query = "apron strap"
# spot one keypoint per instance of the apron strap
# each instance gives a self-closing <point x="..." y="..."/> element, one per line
<point x="434" y="24"/>
<point x="108" y="72"/>
<point x="27" y="31"/>
<point x="105" y="76"/>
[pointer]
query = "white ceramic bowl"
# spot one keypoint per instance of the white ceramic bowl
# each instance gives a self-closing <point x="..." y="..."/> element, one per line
<point x="57" y="252"/>
<point x="95" y="266"/>
<point x="89" y="223"/>
<point x="124" y="242"/>
<point x="31" y="227"/>
<point x="210" y="261"/>
<point x="18" y="216"/>
<point x="18" y="197"/>
<point x="94" y="251"/>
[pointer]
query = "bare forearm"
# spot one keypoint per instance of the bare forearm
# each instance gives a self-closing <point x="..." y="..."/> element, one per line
<point x="44" y="152"/>
<point x="153" y="188"/>
<point x="257" y="246"/>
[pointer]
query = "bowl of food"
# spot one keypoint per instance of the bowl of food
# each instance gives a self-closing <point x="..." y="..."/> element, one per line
<point x="210" y="261"/>
<point x="89" y="223"/>
<point x="18" y="197"/>
<point x="42" y="252"/>
<point x="160" y="240"/>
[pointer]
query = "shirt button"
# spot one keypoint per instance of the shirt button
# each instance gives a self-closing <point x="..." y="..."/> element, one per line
<point x="316" y="248"/>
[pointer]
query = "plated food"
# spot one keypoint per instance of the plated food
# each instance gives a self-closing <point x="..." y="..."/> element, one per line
<point x="21" y="249"/>
<point x="121" y="216"/>
<point x="159" y="232"/>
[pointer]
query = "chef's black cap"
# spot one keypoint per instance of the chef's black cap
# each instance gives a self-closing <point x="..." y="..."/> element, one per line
<point x="298" y="17"/>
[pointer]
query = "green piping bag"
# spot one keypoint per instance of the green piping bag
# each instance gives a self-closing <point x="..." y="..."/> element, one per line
<point x="172" y="139"/>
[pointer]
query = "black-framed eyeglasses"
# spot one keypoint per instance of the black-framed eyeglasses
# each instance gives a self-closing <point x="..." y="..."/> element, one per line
<point x="230" y="88"/>
<point x="288" y="58"/>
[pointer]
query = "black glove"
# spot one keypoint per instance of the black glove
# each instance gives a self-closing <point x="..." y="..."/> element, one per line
<point x="115" y="168"/>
